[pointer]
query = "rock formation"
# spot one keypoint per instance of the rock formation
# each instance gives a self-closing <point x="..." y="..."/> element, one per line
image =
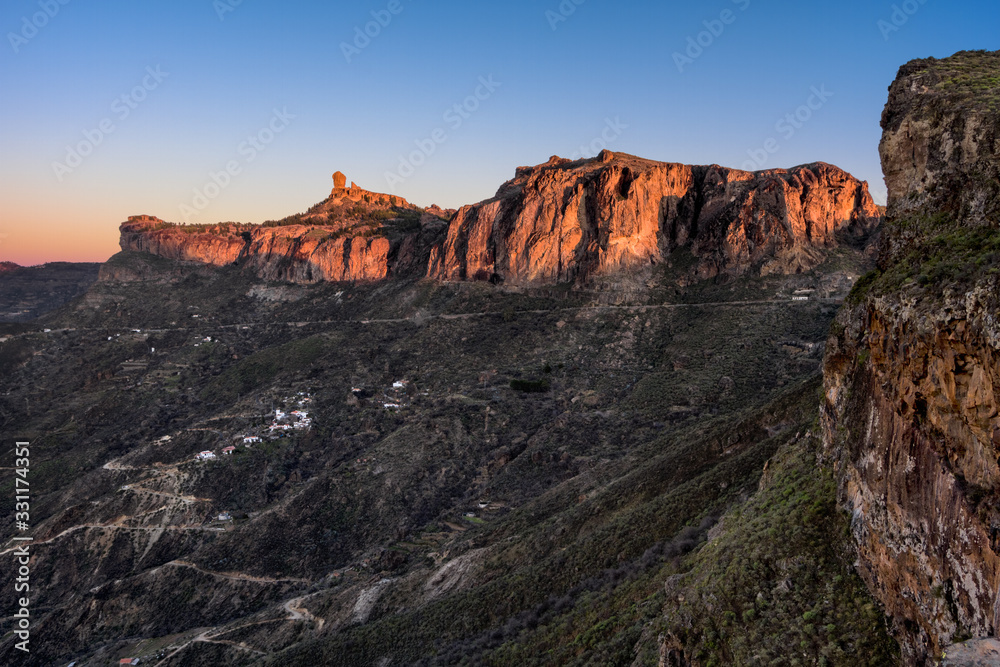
<point x="353" y="236"/>
<point x="558" y="222"/>
<point x="293" y="253"/>
<point x="568" y="221"/>
<point x="358" y="194"/>
<point x="912" y="372"/>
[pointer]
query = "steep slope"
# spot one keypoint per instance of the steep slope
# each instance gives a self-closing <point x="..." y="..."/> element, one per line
<point x="912" y="375"/>
<point x="567" y="221"/>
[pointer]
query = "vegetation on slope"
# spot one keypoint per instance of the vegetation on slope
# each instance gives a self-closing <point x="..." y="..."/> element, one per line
<point x="777" y="585"/>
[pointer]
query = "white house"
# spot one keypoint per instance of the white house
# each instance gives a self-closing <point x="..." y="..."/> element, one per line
<point x="206" y="455"/>
<point x="250" y="439"/>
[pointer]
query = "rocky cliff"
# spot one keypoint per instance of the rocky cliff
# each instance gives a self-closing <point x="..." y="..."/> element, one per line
<point x="295" y="253"/>
<point x="353" y="236"/>
<point x="912" y="373"/>
<point x="567" y="221"/>
<point x="557" y="222"/>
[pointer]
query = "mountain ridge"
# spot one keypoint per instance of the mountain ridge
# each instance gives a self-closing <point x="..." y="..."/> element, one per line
<point x="553" y="223"/>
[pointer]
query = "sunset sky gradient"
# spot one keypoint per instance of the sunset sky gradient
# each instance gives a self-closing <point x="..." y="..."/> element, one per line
<point x="162" y="95"/>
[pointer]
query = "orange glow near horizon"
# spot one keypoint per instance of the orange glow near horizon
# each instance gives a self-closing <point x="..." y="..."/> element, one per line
<point x="58" y="231"/>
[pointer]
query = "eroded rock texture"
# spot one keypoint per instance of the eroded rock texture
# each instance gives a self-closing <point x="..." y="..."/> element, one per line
<point x="554" y="223"/>
<point x="568" y="221"/>
<point x="912" y="372"/>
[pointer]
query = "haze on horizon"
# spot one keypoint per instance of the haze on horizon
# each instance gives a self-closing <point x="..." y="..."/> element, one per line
<point x="214" y="110"/>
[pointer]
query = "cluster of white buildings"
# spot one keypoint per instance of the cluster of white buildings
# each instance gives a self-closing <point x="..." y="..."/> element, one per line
<point x="395" y="398"/>
<point x="209" y="455"/>
<point x="286" y="421"/>
<point x="295" y="420"/>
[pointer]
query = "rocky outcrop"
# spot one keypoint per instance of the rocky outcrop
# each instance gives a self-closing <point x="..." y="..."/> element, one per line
<point x="293" y="253"/>
<point x="352" y="236"/>
<point x="558" y="222"/>
<point x="211" y="245"/>
<point x="568" y="221"/>
<point x="912" y="372"/>
<point x="941" y="134"/>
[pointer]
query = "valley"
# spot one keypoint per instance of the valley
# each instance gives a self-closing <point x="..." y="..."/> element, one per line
<point x="376" y="515"/>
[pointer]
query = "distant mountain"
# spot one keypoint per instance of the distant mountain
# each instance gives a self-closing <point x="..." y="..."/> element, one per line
<point x="29" y="292"/>
<point x="554" y="223"/>
<point x="569" y="221"/>
<point x="354" y="235"/>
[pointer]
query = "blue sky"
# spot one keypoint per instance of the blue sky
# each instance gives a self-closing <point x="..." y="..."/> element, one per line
<point x="213" y="110"/>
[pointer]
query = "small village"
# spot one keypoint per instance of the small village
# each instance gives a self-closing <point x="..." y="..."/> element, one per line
<point x="283" y="423"/>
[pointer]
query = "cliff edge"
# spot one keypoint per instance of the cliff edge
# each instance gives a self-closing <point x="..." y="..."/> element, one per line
<point x="912" y="369"/>
<point x="559" y="222"/>
<point x="566" y="221"/>
<point x="352" y="236"/>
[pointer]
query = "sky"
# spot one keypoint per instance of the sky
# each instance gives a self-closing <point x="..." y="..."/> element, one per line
<point x="216" y="110"/>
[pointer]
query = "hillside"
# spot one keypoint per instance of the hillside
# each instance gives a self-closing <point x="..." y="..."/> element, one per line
<point x="30" y="292"/>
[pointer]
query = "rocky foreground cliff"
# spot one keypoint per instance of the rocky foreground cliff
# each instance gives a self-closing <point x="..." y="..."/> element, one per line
<point x="560" y="222"/>
<point x="912" y="372"/>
